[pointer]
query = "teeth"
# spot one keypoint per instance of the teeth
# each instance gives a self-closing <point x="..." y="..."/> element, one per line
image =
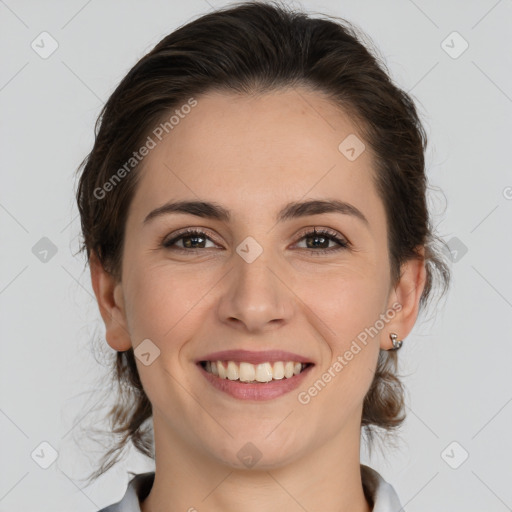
<point x="232" y="371"/>
<point x="264" y="372"/>
<point x="247" y="372"/>
<point x="278" y="372"/>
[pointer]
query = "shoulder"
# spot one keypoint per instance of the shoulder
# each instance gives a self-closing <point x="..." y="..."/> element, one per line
<point x="138" y="488"/>
<point x="379" y="492"/>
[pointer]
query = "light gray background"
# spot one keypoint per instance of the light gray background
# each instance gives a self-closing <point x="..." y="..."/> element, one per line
<point x="457" y="365"/>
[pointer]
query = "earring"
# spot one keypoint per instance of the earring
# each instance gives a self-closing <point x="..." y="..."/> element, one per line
<point x="396" y="343"/>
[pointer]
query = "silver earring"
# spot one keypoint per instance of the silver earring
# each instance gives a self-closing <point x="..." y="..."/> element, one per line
<point x="396" y="343"/>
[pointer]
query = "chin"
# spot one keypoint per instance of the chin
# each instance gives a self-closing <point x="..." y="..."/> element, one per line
<point x="256" y="452"/>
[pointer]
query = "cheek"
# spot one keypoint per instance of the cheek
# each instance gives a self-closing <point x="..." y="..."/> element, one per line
<point x="163" y="307"/>
<point x="161" y="303"/>
<point x="349" y="302"/>
<point x="350" y="310"/>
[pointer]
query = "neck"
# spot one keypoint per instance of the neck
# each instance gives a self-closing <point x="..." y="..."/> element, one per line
<point x="327" y="478"/>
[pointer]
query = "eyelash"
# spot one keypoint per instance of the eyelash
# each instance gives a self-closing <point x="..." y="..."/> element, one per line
<point x="326" y="233"/>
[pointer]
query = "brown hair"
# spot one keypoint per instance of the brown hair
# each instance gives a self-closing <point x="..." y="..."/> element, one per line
<point x="251" y="48"/>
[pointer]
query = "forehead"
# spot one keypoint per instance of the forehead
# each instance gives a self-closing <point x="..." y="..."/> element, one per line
<point x="255" y="153"/>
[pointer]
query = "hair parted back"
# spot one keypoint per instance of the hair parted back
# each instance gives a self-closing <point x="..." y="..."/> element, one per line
<point x="253" y="48"/>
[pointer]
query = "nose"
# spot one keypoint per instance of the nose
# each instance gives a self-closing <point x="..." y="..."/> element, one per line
<point x="255" y="297"/>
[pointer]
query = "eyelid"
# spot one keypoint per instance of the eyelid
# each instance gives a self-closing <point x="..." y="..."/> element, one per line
<point x="321" y="231"/>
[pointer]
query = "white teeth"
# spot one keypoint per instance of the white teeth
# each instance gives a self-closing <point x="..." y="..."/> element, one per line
<point x="221" y="370"/>
<point x="232" y="371"/>
<point x="264" y="372"/>
<point x="247" y="372"/>
<point x="288" y="369"/>
<point x="278" y="372"/>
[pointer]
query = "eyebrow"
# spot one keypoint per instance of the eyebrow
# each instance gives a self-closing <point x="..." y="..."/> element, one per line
<point x="293" y="210"/>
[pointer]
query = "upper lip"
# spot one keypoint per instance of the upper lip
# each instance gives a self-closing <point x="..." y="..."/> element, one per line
<point x="252" y="357"/>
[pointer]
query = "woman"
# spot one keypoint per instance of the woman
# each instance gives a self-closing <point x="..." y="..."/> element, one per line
<point x="255" y="220"/>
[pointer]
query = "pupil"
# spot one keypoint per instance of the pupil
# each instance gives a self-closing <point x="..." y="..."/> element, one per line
<point x="188" y="243"/>
<point x="316" y="238"/>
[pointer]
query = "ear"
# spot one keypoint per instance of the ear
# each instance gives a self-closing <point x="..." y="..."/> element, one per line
<point x="109" y="294"/>
<point x="407" y="294"/>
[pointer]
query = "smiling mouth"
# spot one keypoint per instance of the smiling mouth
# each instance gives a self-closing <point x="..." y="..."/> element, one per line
<point x="254" y="373"/>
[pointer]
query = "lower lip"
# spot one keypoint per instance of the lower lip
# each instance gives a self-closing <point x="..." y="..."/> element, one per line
<point x="260" y="391"/>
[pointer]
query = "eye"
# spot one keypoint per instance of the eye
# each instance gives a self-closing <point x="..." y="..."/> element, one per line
<point x="317" y="242"/>
<point x="190" y="239"/>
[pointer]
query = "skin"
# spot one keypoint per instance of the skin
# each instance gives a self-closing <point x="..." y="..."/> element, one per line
<point x="252" y="155"/>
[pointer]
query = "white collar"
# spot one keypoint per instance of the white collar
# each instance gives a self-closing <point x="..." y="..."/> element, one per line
<point x="376" y="489"/>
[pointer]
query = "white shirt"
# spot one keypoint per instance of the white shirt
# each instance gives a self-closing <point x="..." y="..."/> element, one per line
<point x="376" y="489"/>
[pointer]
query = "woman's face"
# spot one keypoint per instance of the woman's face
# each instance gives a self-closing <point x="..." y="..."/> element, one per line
<point x="259" y="281"/>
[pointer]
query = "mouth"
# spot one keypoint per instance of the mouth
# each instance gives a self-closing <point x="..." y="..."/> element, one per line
<point x="254" y="375"/>
<point x="253" y="382"/>
<point x="248" y="373"/>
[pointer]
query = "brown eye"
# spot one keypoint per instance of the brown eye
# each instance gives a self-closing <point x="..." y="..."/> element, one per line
<point x="318" y="241"/>
<point x="191" y="239"/>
